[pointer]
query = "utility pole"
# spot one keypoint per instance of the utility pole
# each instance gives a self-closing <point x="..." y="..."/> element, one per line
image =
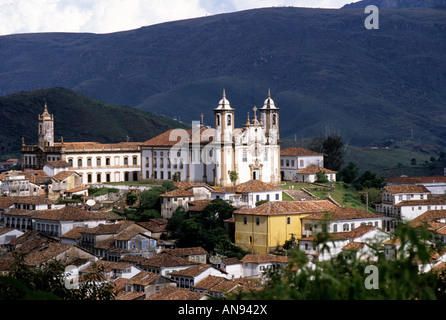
<point x="366" y="197"/>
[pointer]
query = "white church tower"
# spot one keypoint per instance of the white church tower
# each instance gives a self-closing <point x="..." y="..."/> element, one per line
<point x="224" y="130"/>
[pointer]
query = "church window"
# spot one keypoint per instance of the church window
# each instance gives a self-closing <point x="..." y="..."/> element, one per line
<point x="274" y="119"/>
<point x="229" y="120"/>
<point x="107" y="161"/>
<point x="98" y="161"/>
<point x="218" y="120"/>
<point x="244" y="158"/>
<point x="89" y="162"/>
<point x="126" y="161"/>
<point x="98" y="178"/>
<point x="79" y="162"/>
<point x="89" y="178"/>
<point x="70" y="162"/>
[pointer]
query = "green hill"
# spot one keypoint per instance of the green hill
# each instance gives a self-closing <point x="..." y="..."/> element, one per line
<point x="76" y="118"/>
<point x="325" y="70"/>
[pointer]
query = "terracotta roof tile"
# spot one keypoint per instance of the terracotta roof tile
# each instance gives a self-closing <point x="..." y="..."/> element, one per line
<point x="248" y="186"/>
<point x="342" y="214"/>
<point x="164" y="259"/>
<point x="416" y="180"/>
<point x="313" y="169"/>
<point x="353" y="246"/>
<point x="296" y="151"/>
<point x="175" y="293"/>
<point x="353" y="234"/>
<point x="177" y="193"/>
<point x="406" y="188"/>
<point x="70" y="213"/>
<point x="182" y="252"/>
<point x="63" y="175"/>
<point x="289" y="207"/>
<point x="263" y="258"/>
<point x="192" y="271"/>
<point x="58" y="164"/>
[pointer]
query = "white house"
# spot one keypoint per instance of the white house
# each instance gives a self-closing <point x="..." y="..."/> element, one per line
<point x="186" y="278"/>
<point x="258" y="265"/>
<point x="8" y="234"/>
<point x="340" y="220"/>
<point x="294" y="159"/>
<point x="51" y="168"/>
<point x="248" y="193"/>
<point x="364" y="234"/>
<point x="164" y="263"/>
<point x="232" y="266"/>
<point x="17" y="183"/>
<point x="309" y="174"/>
<point x="435" y="184"/>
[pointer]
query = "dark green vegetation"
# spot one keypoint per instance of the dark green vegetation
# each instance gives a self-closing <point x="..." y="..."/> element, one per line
<point x="325" y="70"/>
<point x="346" y="277"/>
<point x="77" y="118"/>
<point x="205" y="229"/>
<point x="46" y="282"/>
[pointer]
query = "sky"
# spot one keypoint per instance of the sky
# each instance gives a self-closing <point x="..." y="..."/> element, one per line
<point x="105" y="16"/>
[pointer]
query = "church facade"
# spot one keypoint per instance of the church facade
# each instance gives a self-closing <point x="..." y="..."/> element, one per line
<point x="202" y="154"/>
<point x="213" y="155"/>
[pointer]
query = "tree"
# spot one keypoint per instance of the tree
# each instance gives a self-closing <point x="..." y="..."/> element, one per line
<point x="369" y="180"/>
<point x="349" y="174"/>
<point x="333" y="148"/>
<point x="344" y="277"/>
<point x="47" y="282"/>
<point x="321" y="177"/>
<point x="233" y="175"/>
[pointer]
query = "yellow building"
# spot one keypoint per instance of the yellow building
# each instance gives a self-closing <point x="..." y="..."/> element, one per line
<point x="263" y="228"/>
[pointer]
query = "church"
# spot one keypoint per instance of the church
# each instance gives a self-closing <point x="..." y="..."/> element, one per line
<point x="212" y="155"/>
<point x="220" y="156"/>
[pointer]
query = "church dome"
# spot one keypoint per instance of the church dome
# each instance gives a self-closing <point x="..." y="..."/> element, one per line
<point x="224" y="103"/>
<point x="269" y="102"/>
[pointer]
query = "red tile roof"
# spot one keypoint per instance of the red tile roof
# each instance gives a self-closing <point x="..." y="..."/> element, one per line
<point x="342" y="214"/>
<point x="313" y="169"/>
<point x="247" y="187"/>
<point x="296" y="151"/>
<point x="271" y="208"/>
<point x="413" y="180"/>
<point x="406" y="188"/>
<point x="264" y="258"/>
<point x="175" y="293"/>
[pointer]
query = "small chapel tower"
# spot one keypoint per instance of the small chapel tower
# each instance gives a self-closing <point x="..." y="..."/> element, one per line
<point x="270" y="118"/>
<point x="46" y="129"/>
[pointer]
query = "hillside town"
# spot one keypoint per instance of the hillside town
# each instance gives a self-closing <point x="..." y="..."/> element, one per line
<point x="49" y="209"/>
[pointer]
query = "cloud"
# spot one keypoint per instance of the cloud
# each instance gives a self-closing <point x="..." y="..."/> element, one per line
<point x="103" y="16"/>
<point x="99" y="16"/>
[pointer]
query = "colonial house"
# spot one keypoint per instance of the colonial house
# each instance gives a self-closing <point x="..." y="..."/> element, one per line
<point x="434" y="220"/>
<point x="340" y="219"/>
<point x="264" y="228"/>
<point x="347" y="241"/>
<point x="394" y="194"/>
<point x="194" y="254"/>
<point x="248" y="193"/>
<point x="111" y="270"/>
<point x="164" y="263"/>
<point x="186" y="278"/>
<point x="294" y="159"/>
<point x="309" y="174"/>
<point x="209" y="154"/>
<point x="220" y="287"/>
<point x="146" y="283"/>
<point x="19" y="184"/>
<point x="51" y="168"/>
<point x="258" y="265"/>
<point x="112" y="241"/>
<point x="95" y="162"/>
<point x="173" y="199"/>
<point x="63" y="182"/>
<point x="232" y="266"/>
<point x="435" y="184"/>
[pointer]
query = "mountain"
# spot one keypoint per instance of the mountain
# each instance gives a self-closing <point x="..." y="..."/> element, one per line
<point x="326" y="71"/>
<point x="76" y="118"/>
<point x="386" y="4"/>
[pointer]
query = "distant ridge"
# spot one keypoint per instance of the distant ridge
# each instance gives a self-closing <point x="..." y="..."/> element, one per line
<point x="393" y="4"/>
<point x="76" y="118"/>
<point x="326" y="72"/>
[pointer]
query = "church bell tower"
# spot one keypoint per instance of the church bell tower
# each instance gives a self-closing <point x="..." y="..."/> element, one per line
<point x="46" y="129"/>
